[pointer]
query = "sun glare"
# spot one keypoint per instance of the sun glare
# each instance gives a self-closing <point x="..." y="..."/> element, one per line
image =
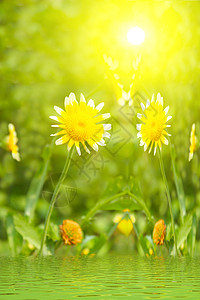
<point x="136" y="36"/>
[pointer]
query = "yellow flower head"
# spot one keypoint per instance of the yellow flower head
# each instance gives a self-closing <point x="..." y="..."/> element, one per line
<point x="193" y="142"/>
<point x="71" y="232"/>
<point x="159" y="232"/>
<point x="85" y="251"/>
<point x="125" y="226"/>
<point x="81" y="123"/>
<point x="154" y="118"/>
<point x="11" y="142"/>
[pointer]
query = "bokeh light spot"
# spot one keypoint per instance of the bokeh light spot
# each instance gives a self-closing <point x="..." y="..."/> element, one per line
<point x="136" y="36"/>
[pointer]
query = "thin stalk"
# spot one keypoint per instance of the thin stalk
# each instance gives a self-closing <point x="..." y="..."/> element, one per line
<point x="168" y="197"/>
<point x="99" y="204"/>
<point x="53" y="198"/>
<point x="142" y="203"/>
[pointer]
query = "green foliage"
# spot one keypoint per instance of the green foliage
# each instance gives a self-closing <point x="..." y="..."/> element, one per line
<point x="27" y="231"/>
<point x="184" y="230"/>
<point x="37" y="183"/>
<point x="13" y="237"/>
<point x="179" y="184"/>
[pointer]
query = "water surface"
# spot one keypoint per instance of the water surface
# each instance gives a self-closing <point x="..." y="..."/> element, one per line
<point x="112" y="277"/>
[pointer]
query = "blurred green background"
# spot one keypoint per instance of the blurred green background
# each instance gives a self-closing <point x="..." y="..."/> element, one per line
<point x="50" y="48"/>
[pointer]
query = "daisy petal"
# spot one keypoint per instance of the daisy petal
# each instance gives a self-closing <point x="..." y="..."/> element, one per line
<point x="91" y="103"/>
<point x="82" y="98"/>
<point x="101" y="142"/>
<point x="166" y="110"/>
<point x="100" y="106"/>
<point x="67" y="101"/>
<point x="54" y="118"/>
<point x="142" y="143"/>
<point x="142" y="106"/>
<point x="107" y="127"/>
<point x="64" y="139"/>
<point x="93" y="144"/>
<point x="59" y="133"/>
<point x="85" y="147"/>
<point x="139" y="116"/>
<point x="169" y="118"/>
<point x="72" y="97"/>
<point x="78" y="150"/>
<point x="159" y="99"/>
<point x="95" y="147"/>
<point x="105" y="116"/>
<point x="155" y="150"/>
<point x="70" y="144"/>
<point x="106" y="134"/>
<point x="164" y="140"/>
<point x="59" y="110"/>
<point x="138" y="126"/>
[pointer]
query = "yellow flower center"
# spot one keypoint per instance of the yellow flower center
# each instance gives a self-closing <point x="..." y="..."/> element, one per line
<point x="154" y="124"/>
<point x="155" y="129"/>
<point x="81" y="126"/>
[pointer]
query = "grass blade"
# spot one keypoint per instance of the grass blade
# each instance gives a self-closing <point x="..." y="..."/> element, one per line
<point x="178" y="184"/>
<point x="37" y="183"/>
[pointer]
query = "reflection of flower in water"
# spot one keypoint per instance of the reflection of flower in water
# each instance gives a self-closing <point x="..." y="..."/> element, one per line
<point x="125" y="225"/>
<point x="159" y="232"/>
<point x="71" y="232"/>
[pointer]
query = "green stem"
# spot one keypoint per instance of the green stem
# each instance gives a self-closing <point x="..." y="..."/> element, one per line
<point x="53" y="198"/>
<point x="142" y="203"/>
<point x="99" y="204"/>
<point x="168" y="197"/>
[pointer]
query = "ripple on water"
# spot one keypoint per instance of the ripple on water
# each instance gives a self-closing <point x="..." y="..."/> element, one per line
<point x="105" y="278"/>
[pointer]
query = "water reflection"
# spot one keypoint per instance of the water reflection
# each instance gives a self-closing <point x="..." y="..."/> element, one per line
<point x="105" y="278"/>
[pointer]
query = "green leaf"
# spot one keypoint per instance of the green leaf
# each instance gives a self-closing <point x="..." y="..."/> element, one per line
<point x="53" y="232"/>
<point x="98" y="243"/>
<point x="178" y="184"/>
<point x="184" y="230"/>
<point x="87" y="239"/>
<point x="122" y="203"/>
<point x="143" y="243"/>
<point x="115" y="186"/>
<point x="27" y="231"/>
<point x="169" y="232"/>
<point x="37" y="183"/>
<point x="13" y="235"/>
<point x="192" y="235"/>
<point x="134" y="187"/>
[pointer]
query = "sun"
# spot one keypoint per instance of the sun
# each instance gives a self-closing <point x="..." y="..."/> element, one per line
<point x="136" y="36"/>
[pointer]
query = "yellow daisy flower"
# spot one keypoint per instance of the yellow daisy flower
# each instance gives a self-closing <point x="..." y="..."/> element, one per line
<point x="154" y="118"/>
<point x="125" y="226"/>
<point x="11" y="142"/>
<point x="81" y="124"/>
<point x="193" y="142"/>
